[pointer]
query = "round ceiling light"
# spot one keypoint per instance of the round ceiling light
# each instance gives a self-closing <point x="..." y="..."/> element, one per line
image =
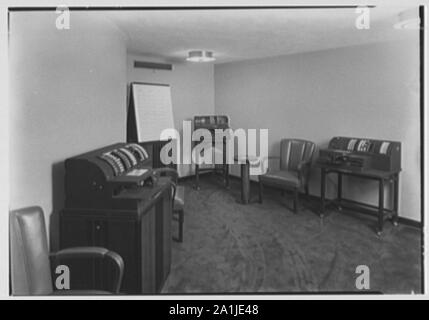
<point x="200" y="56"/>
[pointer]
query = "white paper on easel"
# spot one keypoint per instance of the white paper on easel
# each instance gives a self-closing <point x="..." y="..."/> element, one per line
<point x="153" y="109"/>
<point x="154" y="114"/>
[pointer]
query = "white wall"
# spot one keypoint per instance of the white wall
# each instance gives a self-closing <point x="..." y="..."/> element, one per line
<point x="68" y="96"/>
<point x="363" y="91"/>
<point x="192" y="89"/>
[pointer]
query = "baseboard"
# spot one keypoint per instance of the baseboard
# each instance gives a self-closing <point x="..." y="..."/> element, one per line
<point x="410" y="222"/>
<point x="186" y="178"/>
<point x="192" y="176"/>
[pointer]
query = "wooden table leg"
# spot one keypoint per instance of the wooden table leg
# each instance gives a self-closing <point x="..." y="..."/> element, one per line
<point x="395" y="199"/>
<point x="380" y="207"/>
<point x="340" y="189"/>
<point x="225" y="166"/>
<point x="322" y="191"/>
<point x="226" y="175"/>
<point x="261" y="189"/>
<point x="197" y="177"/>
<point x="245" y="182"/>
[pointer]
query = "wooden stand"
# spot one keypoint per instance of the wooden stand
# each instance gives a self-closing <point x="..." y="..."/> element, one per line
<point x="382" y="177"/>
<point x="142" y="237"/>
<point x="213" y="123"/>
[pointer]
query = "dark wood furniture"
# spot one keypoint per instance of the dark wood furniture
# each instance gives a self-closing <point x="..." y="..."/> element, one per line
<point x="294" y="170"/>
<point x="244" y="162"/>
<point x="211" y="123"/>
<point x="378" y="160"/>
<point x="126" y="213"/>
<point x="245" y="182"/>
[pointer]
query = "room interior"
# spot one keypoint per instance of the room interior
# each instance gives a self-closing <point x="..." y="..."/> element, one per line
<point x="307" y="74"/>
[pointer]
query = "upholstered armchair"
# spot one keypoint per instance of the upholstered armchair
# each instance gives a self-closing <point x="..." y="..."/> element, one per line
<point x="31" y="261"/>
<point x="293" y="170"/>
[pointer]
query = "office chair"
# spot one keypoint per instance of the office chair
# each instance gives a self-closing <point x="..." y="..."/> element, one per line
<point x="294" y="170"/>
<point x="30" y="259"/>
<point x="178" y="199"/>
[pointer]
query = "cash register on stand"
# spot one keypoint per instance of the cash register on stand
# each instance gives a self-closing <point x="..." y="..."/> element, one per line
<point x="115" y="199"/>
<point x="213" y="123"/>
<point x="379" y="160"/>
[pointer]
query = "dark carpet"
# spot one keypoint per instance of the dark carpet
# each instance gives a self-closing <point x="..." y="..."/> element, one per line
<point x="266" y="248"/>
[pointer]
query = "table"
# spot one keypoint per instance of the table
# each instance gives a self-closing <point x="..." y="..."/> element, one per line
<point x="244" y="162"/>
<point x="382" y="177"/>
<point x="224" y="170"/>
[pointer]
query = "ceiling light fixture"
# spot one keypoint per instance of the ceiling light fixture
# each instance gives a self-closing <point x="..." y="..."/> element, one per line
<point x="408" y="19"/>
<point x="200" y="56"/>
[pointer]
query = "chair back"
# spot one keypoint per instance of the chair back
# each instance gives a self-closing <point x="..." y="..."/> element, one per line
<point x="294" y="151"/>
<point x="29" y="257"/>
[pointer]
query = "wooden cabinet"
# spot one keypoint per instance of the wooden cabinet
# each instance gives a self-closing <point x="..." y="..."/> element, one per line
<point x="142" y="236"/>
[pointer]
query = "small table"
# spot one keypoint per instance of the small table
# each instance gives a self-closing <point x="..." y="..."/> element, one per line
<point x="244" y="162"/>
<point x="382" y="177"/>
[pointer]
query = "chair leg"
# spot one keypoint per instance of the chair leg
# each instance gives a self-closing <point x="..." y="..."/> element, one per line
<point x="296" y="200"/>
<point x="227" y="176"/>
<point x="261" y="191"/>
<point x="181" y="221"/>
<point x="197" y="177"/>
<point x="306" y="190"/>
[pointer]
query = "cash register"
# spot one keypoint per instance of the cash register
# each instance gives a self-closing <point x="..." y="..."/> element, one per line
<point x="115" y="199"/>
<point x="379" y="160"/>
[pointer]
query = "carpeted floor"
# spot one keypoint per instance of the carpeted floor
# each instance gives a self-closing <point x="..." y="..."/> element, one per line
<point x="233" y="248"/>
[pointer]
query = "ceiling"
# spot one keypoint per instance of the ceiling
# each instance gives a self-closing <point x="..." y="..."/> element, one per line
<point x="235" y="35"/>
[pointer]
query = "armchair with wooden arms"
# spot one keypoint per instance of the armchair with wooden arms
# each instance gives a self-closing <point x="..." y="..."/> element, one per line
<point x="294" y="168"/>
<point x="178" y="198"/>
<point x="30" y="260"/>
